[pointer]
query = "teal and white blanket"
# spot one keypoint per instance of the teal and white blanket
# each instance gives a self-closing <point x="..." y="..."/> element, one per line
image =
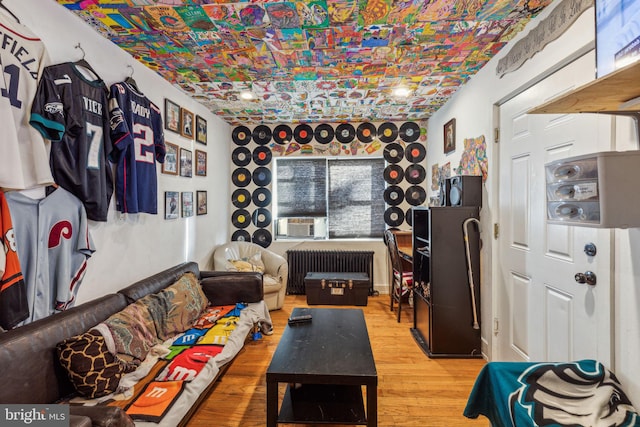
<point x="570" y="394"/>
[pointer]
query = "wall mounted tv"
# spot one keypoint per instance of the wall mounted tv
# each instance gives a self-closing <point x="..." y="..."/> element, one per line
<point x="617" y="34"/>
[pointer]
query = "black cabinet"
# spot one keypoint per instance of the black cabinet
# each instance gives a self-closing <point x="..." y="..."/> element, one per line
<point x="443" y="308"/>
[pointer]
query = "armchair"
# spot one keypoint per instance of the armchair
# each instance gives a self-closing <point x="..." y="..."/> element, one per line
<point x="274" y="267"/>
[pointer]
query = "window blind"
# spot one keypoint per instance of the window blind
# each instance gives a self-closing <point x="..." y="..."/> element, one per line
<point x="301" y="187"/>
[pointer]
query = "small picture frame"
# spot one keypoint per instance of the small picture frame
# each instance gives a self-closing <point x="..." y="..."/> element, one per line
<point x="201" y="130"/>
<point x="450" y="136"/>
<point x="201" y="163"/>
<point x="187" y="204"/>
<point x="186" y="123"/>
<point x="171" y="207"/>
<point x="186" y="163"/>
<point x="171" y="116"/>
<point x="170" y="165"/>
<point x="201" y="202"/>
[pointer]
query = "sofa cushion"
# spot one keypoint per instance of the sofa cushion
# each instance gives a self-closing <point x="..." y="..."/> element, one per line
<point x="92" y="369"/>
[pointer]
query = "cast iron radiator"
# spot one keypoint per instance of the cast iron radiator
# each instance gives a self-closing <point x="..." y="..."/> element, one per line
<point x="302" y="262"/>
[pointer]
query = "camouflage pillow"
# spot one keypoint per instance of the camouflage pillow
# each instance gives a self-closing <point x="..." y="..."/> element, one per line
<point x="92" y="369"/>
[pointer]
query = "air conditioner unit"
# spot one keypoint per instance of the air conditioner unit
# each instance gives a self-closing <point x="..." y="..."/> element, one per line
<point x="297" y="229"/>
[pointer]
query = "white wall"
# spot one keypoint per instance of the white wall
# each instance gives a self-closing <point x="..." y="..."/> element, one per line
<point x="132" y="247"/>
<point x="473" y="108"/>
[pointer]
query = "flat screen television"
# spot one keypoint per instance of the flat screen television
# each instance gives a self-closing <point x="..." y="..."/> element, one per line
<point x="617" y="34"/>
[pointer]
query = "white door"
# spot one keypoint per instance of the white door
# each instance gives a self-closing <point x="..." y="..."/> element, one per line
<point x="543" y="313"/>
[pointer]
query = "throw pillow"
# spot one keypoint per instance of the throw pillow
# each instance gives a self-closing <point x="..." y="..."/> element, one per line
<point x="92" y="369"/>
<point x="252" y="263"/>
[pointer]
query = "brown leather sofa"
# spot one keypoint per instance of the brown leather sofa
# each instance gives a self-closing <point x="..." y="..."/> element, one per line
<point x="32" y="373"/>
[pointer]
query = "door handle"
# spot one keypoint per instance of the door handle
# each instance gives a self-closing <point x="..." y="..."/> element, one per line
<point x="588" y="277"/>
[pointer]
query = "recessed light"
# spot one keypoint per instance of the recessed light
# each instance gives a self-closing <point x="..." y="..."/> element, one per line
<point x="246" y="95"/>
<point x="401" y="91"/>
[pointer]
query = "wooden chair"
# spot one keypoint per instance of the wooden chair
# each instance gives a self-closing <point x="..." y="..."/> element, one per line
<point x="401" y="281"/>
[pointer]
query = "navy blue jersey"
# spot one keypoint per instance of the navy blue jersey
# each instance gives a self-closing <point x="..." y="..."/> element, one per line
<point x="72" y="111"/>
<point x="136" y="131"/>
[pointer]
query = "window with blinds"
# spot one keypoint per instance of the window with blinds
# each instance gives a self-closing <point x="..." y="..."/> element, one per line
<point x="335" y="198"/>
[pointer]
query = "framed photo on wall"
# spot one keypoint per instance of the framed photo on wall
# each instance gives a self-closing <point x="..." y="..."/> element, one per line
<point x="186" y="163"/>
<point x="201" y="163"/>
<point x="201" y="202"/>
<point x="170" y="165"/>
<point x="450" y="136"/>
<point x="171" y="116"/>
<point x="187" y="203"/>
<point x="171" y="199"/>
<point x="186" y="122"/>
<point x="201" y="130"/>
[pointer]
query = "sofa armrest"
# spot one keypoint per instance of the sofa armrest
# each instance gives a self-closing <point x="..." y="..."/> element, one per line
<point x="103" y="416"/>
<point x="230" y="287"/>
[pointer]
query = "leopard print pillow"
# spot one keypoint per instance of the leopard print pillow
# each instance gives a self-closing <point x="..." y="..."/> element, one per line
<point x="92" y="369"/>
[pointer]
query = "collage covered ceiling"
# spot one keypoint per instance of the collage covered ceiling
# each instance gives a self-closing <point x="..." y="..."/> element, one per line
<point x="312" y="60"/>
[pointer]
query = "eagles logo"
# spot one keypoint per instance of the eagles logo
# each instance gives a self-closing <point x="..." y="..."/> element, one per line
<point x="571" y="394"/>
<point x="54" y="108"/>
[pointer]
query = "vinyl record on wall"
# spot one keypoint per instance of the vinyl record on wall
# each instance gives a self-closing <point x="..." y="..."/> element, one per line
<point x="241" y="198"/>
<point x="387" y="132"/>
<point x="261" y="134"/>
<point x="303" y="133"/>
<point x="241" y="135"/>
<point x="262" y="176"/>
<point x="261" y="197"/>
<point x="262" y="237"/>
<point x="323" y="133"/>
<point x="366" y="132"/>
<point x="415" y="174"/>
<point x="393" y="216"/>
<point x="261" y="217"/>
<point x="393" y="153"/>
<point x="408" y="216"/>
<point x="241" y="177"/>
<point x="409" y="132"/>
<point x="241" y="156"/>
<point x="241" y="218"/>
<point x="415" y="195"/>
<point x="393" y="174"/>
<point x="345" y="133"/>
<point x="415" y="152"/>
<point x="393" y="195"/>
<point x="241" y="236"/>
<point x="282" y="134"/>
<point x="262" y="155"/>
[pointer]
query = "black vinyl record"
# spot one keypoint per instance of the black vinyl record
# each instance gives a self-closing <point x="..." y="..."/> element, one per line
<point x="261" y="217"/>
<point x="393" y="153"/>
<point x="241" y="236"/>
<point x="241" y="135"/>
<point x="241" y="177"/>
<point x="393" y="216"/>
<point x="415" y="174"/>
<point x="241" y="218"/>
<point x="323" y="133"/>
<point x="261" y="134"/>
<point x="415" y="152"/>
<point x="393" y="174"/>
<point x="393" y="195"/>
<point x="262" y="155"/>
<point x="282" y="134"/>
<point x="261" y="197"/>
<point x="345" y="133"/>
<point x="366" y="132"/>
<point x="409" y="132"/>
<point x="408" y="216"/>
<point x="241" y="198"/>
<point x="241" y="156"/>
<point x="387" y="132"/>
<point x="303" y="133"/>
<point x="262" y="237"/>
<point x="262" y="176"/>
<point x="415" y="195"/>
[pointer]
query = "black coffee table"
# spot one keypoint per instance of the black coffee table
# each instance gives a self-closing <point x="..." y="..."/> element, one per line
<point x="329" y="360"/>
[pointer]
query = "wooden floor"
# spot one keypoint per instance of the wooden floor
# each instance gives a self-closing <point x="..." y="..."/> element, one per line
<point x="413" y="390"/>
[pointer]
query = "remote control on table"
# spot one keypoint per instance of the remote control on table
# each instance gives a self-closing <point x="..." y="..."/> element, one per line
<point x="305" y="318"/>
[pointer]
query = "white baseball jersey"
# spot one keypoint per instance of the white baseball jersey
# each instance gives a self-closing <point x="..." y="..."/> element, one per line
<point x="53" y="243"/>
<point x="24" y="154"/>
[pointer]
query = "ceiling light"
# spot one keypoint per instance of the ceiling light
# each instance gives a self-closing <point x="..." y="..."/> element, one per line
<point x="401" y="91"/>
<point x="246" y="95"/>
